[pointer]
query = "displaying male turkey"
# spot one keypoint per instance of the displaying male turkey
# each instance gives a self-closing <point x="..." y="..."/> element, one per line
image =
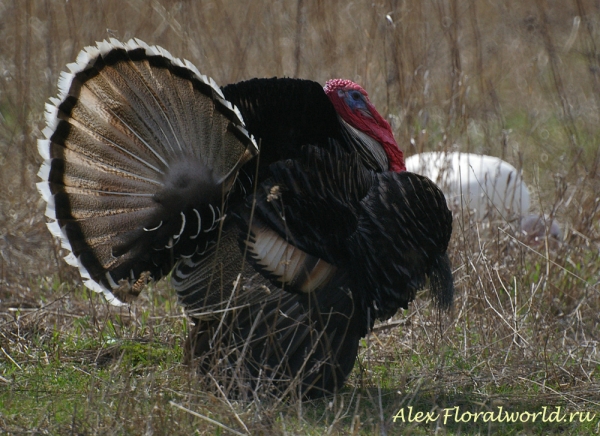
<point x="284" y="258"/>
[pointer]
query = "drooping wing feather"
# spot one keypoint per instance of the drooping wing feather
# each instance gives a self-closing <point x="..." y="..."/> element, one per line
<point x="402" y="237"/>
<point x="285" y="337"/>
<point x="386" y="231"/>
<point x="257" y="256"/>
<point x="316" y="200"/>
<point x="299" y="258"/>
<point x="140" y="153"/>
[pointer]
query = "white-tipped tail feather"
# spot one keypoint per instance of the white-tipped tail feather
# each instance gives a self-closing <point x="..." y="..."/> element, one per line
<point x="135" y="138"/>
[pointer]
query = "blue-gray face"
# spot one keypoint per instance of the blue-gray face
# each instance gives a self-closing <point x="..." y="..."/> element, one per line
<point x="355" y="101"/>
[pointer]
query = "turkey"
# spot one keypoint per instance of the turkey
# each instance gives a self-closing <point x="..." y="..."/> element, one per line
<point x="486" y="185"/>
<point x="282" y="209"/>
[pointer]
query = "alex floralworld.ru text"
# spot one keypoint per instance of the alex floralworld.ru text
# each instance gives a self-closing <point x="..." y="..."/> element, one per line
<point x="547" y="414"/>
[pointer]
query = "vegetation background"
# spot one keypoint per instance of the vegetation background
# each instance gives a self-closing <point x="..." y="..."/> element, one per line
<point x="518" y="79"/>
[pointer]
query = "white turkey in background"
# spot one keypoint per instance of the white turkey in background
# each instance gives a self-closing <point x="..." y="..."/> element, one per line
<point x="485" y="185"/>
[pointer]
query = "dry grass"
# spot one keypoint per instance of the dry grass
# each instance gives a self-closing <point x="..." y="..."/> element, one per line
<point x="519" y="80"/>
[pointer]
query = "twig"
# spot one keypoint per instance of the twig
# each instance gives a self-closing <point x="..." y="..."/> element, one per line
<point x="237" y="417"/>
<point x="392" y="324"/>
<point x="11" y="359"/>
<point x="542" y="256"/>
<point x="207" y="419"/>
<point x="382" y="430"/>
<point x="562" y="394"/>
<point x="46" y="312"/>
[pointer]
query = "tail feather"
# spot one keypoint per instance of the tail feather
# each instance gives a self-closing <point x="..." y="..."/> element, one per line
<point x="140" y="153"/>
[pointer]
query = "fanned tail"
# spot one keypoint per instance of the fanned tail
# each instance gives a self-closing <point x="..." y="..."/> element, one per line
<point x="140" y="153"/>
